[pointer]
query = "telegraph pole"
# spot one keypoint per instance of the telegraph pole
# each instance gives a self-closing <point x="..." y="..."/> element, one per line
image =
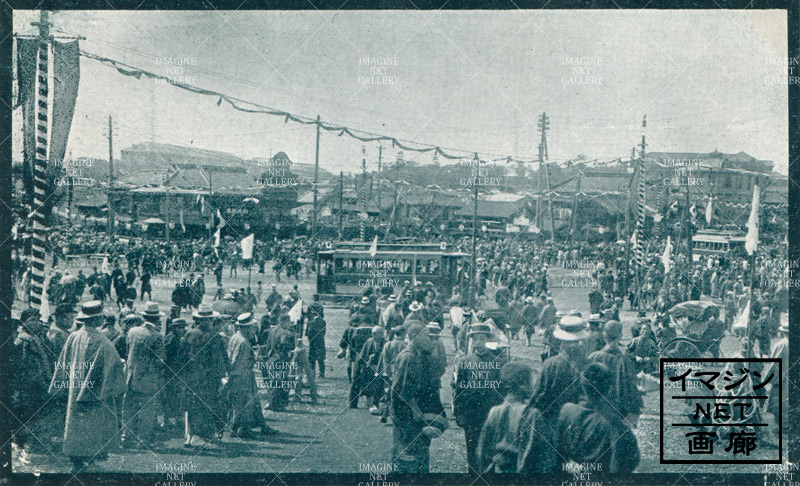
<point x="474" y="275"/>
<point x="363" y="228"/>
<point x="341" y="203"/>
<point x="316" y="183"/>
<point x="544" y="126"/>
<point x="380" y="179"/>
<point x="110" y="215"/>
<point x="575" y="209"/>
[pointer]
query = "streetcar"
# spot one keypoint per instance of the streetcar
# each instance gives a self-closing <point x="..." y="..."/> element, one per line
<point x="346" y="269"/>
<point x="718" y="243"/>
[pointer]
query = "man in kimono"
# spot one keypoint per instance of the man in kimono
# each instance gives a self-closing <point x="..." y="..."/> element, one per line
<point x="559" y="383"/>
<point x="592" y="431"/>
<point x="144" y="377"/>
<point x="414" y="421"/>
<point x="623" y="394"/>
<point x="241" y="388"/>
<point x="89" y="370"/>
<point x="205" y="366"/>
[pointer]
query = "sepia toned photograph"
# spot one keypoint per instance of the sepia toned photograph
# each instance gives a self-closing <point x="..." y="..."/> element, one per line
<point x="394" y="247"/>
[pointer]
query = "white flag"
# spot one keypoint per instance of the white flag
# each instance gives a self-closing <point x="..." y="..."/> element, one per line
<point x="44" y="311"/>
<point x="693" y="211"/>
<point x="633" y="239"/>
<point x="247" y="247"/>
<point x="180" y="217"/>
<point x="751" y="241"/>
<point x="217" y="237"/>
<point x="373" y="248"/>
<point x="666" y="257"/>
<point x="105" y="268"/>
<point x="709" y="211"/>
<point x="296" y="311"/>
<point x="741" y="320"/>
<point x="221" y="219"/>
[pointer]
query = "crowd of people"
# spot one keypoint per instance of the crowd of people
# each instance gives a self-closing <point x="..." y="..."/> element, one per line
<point x="143" y="376"/>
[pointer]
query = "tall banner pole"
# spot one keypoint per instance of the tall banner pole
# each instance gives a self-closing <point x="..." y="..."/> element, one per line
<point x="39" y="237"/>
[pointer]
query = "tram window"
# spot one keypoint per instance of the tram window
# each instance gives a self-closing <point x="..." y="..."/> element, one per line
<point x="434" y="266"/>
<point x="422" y="267"/>
<point x="407" y="265"/>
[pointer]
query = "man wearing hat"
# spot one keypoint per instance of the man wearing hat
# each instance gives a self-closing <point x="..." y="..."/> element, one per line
<point x="530" y="318"/>
<point x="595" y="299"/>
<point x="477" y="389"/>
<point x="205" y="367"/>
<point x="592" y="431"/>
<point x="623" y="394"/>
<point x="415" y="313"/>
<point x="351" y="344"/>
<point x="315" y="331"/>
<point x="392" y="315"/>
<point x="174" y="390"/>
<point x="144" y="377"/>
<point x="559" y="383"/>
<point x="281" y="344"/>
<point x="242" y="392"/>
<point x="89" y="371"/>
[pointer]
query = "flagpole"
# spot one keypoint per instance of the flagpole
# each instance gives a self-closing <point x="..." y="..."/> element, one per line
<point x="752" y="264"/>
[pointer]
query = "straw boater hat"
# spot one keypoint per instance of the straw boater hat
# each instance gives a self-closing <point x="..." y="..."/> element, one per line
<point x="595" y="318"/>
<point x="245" y="320"/>
<point x="529" y="299"/>
<point x="179" y="322"/>
<point x="204" y="311"/>
<point x="151" y="311"/>
<point x="479" y="329"/>
<point x="365" y="300"/>
<point x="392" y="298"/>
<point x="570" y="328"/>
<point x="434" y="329"/>
<point x="131" y="318"/>
<point x="415" y="306"/>
<point x="91" y="312"/>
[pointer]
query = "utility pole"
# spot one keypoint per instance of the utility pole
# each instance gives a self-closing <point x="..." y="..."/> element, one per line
<point x="474" y="275"/>
<point x="574" y="218"/>
<point x="363" y="232"/>
<point x="210" y="208"/>
<point x="316" y="183"/>
<point x="341" y="204"/>
<point x="544" y="126"/>
<point x="380" y="180"/>
<point x="110" y="215"/>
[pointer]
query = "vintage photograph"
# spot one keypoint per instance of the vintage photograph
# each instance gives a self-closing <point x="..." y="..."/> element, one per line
<point x="382" y="242"/>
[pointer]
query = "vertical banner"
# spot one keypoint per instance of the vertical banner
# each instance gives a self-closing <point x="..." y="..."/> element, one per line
<point x="40" y="185"/>
<point x="641" y="215"/>
<point x="27" y="50"/>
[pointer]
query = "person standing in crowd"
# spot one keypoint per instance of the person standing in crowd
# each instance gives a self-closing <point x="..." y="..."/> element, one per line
<point x="415" y="314"/>
<point x="281" y="345"/>
<point x="87" y="358"/>
<point x="356" y="346"/>
<point x="559" y="383"/>
<point x="33" y="367"/>
<point x="205" y="367"/>
<point x="593" y="431"/>
<point x="315" y="331"/>
<point x="174" y="389"/>
<point x="502" y="441"/>
<point x="530" y="319"/>
<point x="352" y="341"/>
<point x="477" y="389"/>
<point x="368" y="368"/>
<point x="146" y="286"/>
<point x="273" y="299"/>
<point x="414" y="423"/>
<point x="144" y="377"/>
<point x="623" y="393"/>
<point x="242" y="392"/>
<point x="388" y="358"/>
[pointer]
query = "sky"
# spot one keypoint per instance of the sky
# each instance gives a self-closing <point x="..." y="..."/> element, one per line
<point x="467" y="80"/>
